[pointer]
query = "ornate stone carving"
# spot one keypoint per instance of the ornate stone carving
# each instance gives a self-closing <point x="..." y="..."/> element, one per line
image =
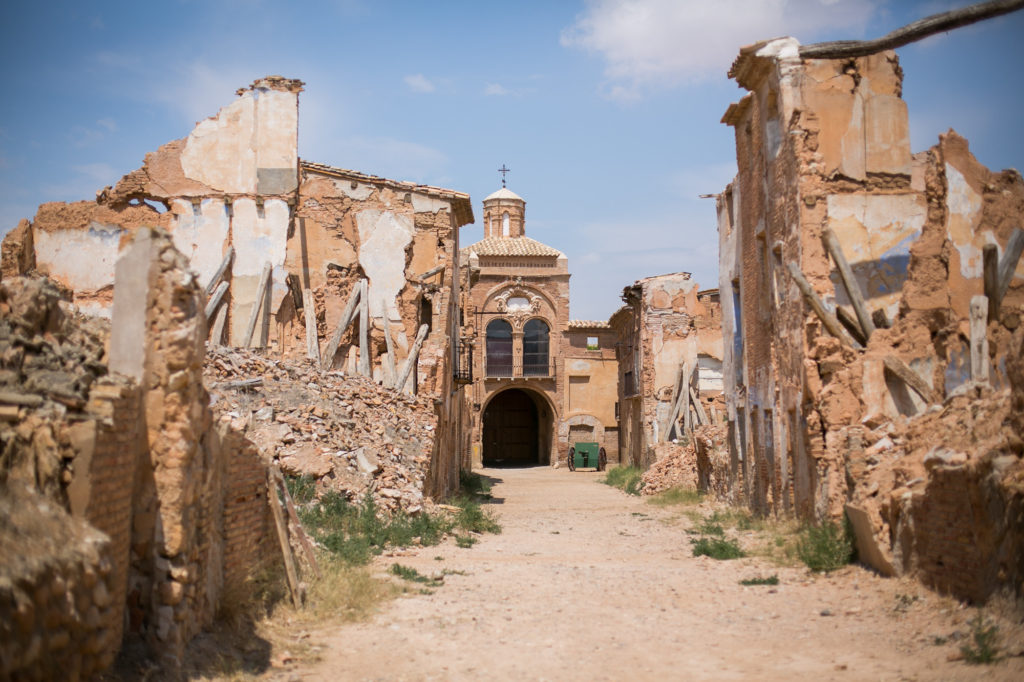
<point x="518" y="312"/>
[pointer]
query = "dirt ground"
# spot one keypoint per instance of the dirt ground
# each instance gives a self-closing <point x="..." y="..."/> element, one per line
<point x="588" y="583"/>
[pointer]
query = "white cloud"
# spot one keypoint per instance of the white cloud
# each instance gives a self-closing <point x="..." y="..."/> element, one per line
<point x="417" y="82"/>
<point x="496" y="90"/>
<point x="654" y="44"/>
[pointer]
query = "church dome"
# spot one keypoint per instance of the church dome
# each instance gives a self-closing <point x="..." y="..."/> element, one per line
<point x="504" y="193"/>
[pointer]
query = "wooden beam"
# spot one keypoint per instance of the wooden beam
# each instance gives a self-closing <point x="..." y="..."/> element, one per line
<point x="1008" y="263"/>
<point x="254" y="314"/>
<point x="827" y="318"/>
<point x="293" y="517"/>
<point x="364" y="331"/>
<point x="295" y="287"/>
<point x="343" y="323"/>
<point x="918" y="30"/>
<point x="431" y="272"/>
<point x="282" y="538"/>
<point x="221" y="269"/>
<point x="903" y="372"/>
<point x="850" y="323"/>
<point x="850" y="283"/>
<point x="214" y="301"/>
<point x="682" y="379"/>
<point x="990" y="278"/>
<point x="312" y="342"/>
<point x="979" y="339"/>
<point x="390" y="371"/>
<point x="410" y="361"/>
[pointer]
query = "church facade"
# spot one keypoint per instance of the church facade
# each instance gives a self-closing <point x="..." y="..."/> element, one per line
<point x="539" y="381"/>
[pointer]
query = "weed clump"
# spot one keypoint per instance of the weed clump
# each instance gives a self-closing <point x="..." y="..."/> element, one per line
<point x="824" y="548"/>
<point x="770" y="580"/>
<point x="981" y="648"/>
<point x="628" y="479"/>
<point x="717" y="548"/>
<point x="676" y="496"/>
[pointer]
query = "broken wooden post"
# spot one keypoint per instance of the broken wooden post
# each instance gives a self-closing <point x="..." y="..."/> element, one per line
<point x="221" y="269"/>
<point x="214" y="301"/>
<point x="1008" y="263"/>
<point x="364" y="331"/>
<point x="293" y="517"/>
<point x="295" y="288"/>
<point x="254" y="314"/>
<point x="867" y="326"/>
<point x="217" y="336"/>
<point x="410" y="361"/>
<point x="680" y="395"/>
<point x="904" y="373"/>
<point x="979" y="340"/>
<point x="343" y="323"/>
<point x="827" y="318"/>
<point x="282" y="538"/>
<point x="431" y="272"/>
<point x="390" y="373"/>
<point x="312" y="342"/>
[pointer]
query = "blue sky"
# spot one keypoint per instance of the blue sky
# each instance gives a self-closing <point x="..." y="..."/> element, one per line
<point x="607" y="112"/>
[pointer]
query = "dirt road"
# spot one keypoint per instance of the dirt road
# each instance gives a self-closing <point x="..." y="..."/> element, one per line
<point x="587" y="583"/>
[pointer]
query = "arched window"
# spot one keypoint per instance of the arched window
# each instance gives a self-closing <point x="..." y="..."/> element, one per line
<point x="499" y="349"/>
<point x="535" y="349"/>
<point x="504" y="224"/>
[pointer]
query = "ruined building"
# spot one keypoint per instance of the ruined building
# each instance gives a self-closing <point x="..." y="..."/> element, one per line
<point x="871" y="304"/>
<point x="669" y="351"/>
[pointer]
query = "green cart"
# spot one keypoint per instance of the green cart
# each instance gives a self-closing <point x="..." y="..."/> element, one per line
<point x="587" y="456"/>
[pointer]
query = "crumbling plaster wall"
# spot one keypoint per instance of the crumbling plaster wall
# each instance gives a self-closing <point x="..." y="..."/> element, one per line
<point x="824" y="144"/>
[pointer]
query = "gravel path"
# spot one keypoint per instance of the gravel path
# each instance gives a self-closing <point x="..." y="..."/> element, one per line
<point x="587" y="583"/>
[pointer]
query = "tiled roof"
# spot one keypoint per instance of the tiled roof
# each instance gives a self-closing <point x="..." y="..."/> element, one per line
<point x="588" y="324"/>
<point x="504" y="193"/>
<point x="461" y="204"/>
<point x="511" y="246"/>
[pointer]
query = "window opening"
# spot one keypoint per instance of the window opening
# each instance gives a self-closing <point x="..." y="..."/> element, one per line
<point x="499" y="349"/>
<point x="535" y="348"/>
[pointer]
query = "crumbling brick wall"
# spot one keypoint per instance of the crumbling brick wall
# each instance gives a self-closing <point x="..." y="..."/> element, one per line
<point x="824" y="164"/>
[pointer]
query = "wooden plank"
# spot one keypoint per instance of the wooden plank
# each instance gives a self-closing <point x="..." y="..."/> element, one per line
<point x="902" y="371"/>
<point x="990" y="278"/>
<point x="1008" y="263"/>
<point x="410" y="361"/>
<point x="254" y="314"/>
<point x="867" y="327"/>
<point x="217" y="336"/>
<point x="918" y="30"/>
<point x="343" y="323"/>
<point x="264" y="340"/>
<point x="431" y="272"/>
<point x="241" y="383"/>
<point x="364" y="331"/>
<point x="295" y="287"/>
<point x="827" y="318"/>
<point x="312" y="343"/>
<point x="293" y="517"/>
<point x="701" y="414"/>
<point x="282" y="538"/>
<point x="215" y="300"/>
<point x="221" y="269"/>
<point x="15" y="398"/>
<point x="979" y="339"/>
<point x="665" y="429"/>
<point x="390" y="371"/>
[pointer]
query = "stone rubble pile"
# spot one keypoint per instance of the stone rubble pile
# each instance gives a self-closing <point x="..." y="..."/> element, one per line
<point x="675" y="466"/>
<point x="348" y="433"/>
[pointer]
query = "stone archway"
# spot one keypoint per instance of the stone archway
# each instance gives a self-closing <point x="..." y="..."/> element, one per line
<point x="516" y="429"/>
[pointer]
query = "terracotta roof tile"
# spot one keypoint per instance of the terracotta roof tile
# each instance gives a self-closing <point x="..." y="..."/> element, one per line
<point x="588" y="324"/>
<point x="511" y="246"/>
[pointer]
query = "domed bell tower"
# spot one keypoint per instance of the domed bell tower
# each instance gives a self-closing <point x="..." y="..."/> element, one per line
<point x="504" y="215"/>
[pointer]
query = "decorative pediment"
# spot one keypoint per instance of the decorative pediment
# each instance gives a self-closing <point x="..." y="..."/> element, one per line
<point x="518" y="303"/>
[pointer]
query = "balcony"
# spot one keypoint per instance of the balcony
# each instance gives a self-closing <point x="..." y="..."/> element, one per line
<point x="462" y="373"/>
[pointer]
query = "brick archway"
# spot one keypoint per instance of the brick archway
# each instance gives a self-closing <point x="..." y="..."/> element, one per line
<point x="579" y="427"/>
<point x="516" y="428"/>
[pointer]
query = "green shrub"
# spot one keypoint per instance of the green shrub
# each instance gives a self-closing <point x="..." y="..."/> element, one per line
<point x="301" y="488"/>
<point x="474" y="484"/>
<point x="824" y="548"/>
<point x="770" y="580"/>
<point x="981" y="648"/>
<point x="717" y="548"/>
<point x="411" y="574"/>
<point x="465" y="541"/>
<point x="628" y="479"/>
<point x="472" y="517"/>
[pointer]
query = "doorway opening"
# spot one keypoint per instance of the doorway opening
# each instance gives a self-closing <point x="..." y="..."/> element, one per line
<point x="516" y="430"/>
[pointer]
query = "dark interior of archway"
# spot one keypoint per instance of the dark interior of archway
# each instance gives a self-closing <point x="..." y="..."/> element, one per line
<point x="511" y="432"/>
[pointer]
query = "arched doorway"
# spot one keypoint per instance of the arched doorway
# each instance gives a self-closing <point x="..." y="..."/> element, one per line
<point x="516" y="429"/>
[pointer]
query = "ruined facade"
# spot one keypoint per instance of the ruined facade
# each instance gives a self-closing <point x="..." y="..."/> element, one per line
<point x="825" y="377"/>
<point x="669" y="352"/>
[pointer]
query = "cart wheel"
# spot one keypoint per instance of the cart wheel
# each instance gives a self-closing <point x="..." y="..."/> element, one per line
<point x="602" y="460"/>
<point x="572" y="459"/>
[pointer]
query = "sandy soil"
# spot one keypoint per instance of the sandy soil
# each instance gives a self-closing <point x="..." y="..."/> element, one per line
<point x="586" y="582"/>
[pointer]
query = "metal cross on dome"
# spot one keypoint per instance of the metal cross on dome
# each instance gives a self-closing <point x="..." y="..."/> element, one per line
<point x="503" y="172"/>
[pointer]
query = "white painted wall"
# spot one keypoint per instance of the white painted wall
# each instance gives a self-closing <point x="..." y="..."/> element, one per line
<point x="383" y="238"/>
<point x="84" y="260"/>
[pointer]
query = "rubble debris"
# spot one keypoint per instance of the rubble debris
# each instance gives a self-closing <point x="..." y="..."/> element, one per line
<point x="348" y="433"/>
